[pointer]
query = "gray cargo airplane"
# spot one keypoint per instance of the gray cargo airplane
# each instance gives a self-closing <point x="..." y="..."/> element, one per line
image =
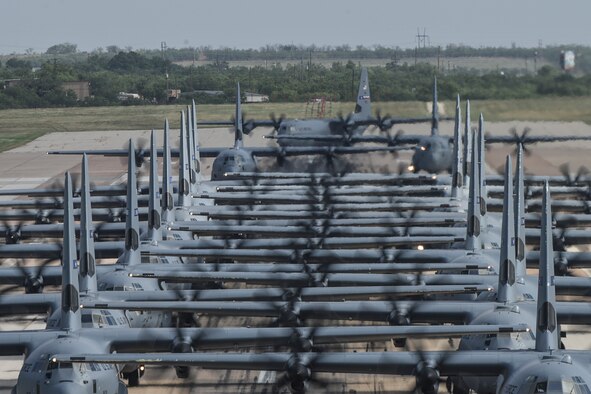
<point x="319" y="132"/>
<point x="39" y="374"/>
<point x="240" y="158"/>
<point x="546" y="368"/>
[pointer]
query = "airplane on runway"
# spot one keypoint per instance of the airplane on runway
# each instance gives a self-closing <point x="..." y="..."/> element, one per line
<point x="39" y="374"/>
<point x="545" y="369"/>
<point x="311" y="132"/>
<point x="240" y="158"/>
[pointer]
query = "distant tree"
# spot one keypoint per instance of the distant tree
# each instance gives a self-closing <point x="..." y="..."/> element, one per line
<point x="16" y="63"/>
<point x="62" y="49"/>
<point x="113" y="49"/>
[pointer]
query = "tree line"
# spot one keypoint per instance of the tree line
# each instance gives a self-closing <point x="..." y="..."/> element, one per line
<point x="150" y="74"/>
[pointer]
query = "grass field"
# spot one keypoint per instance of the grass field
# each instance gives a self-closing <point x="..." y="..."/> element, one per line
<point x="17" y="127"/>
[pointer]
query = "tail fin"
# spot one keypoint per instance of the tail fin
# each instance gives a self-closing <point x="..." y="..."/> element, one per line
<point x="239" y="133"/>
<point x="167" y="201"/>
<point x="457" y="177"/>
<point x="507" y="271"/>
<point x="184" y="159"/>
<point x="87" y="256"/>
<point x="520" y="216"/>
<point x="194" y="146"/>
<point x="70" y="319"/>
<point x="154" y="220"/>
<point x="474" y="217"/>
<point x="467" y="144"/>
<point x="131" y="256"/>
<point x="435" y="110"/>
<point x="547" y="337"/>
<point x="363" y="106"/>
<point x="481" y="166"/>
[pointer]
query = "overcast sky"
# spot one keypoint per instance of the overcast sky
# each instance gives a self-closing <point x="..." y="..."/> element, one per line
<point x="38" y="24"/>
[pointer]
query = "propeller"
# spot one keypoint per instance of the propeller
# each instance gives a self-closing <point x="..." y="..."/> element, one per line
<point x="299" y="374"/>
<point x="12" y="234"/>
<point x="569" y="179"/>
<point x="142" y="152"/>
<point x="427" y="375"/>
<point x="521" y="139"/>
<point x="33" y="278"/>
<point x="276" y="121"/>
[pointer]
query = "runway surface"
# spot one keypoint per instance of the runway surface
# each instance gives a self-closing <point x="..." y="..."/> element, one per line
<point x="29" y="166"/>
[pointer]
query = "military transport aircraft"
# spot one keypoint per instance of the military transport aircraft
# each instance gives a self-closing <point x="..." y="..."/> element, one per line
<point x="240" y="158"/>
<point x="314" y="132"/>
<point x="546" y="368"/>
<point x="39" y="374"/>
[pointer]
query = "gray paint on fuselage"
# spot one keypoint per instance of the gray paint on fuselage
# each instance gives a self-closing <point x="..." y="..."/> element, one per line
<point x="232" y="160"/>
<point x="39" y="375"/>
<point x="433" y="154"/>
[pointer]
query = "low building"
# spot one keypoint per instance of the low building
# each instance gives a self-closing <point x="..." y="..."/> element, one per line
<point x="80" y="88"/>
<point x="124" y="96"/>
<point x="255" y="98"/>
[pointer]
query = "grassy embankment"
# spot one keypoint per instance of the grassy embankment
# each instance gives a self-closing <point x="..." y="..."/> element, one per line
<point x="18" y="127"/>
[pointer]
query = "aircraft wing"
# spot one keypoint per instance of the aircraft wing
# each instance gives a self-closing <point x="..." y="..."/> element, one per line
<point x="293" y="267"/>
<point x="16" y="343"/>
<point x="160" y="339"/>
<point x="391" y="141"/>
<point x="23" y="304"/>
<point x="305" y="279"/>
<point x="455" y="312"/>
<point x="106" y="249"/>
<point x="510" y="139"/>
<point x="479" y="363"/>
<point x="255" y="151"/>
<point x="320" y="150"/>
<point x="209" y="229"/>
<point x="277" y="294"/>
<point x="309" y="243"/>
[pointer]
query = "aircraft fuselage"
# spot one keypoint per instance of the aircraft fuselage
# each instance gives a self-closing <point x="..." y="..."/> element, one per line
<point x="433" y="154"/>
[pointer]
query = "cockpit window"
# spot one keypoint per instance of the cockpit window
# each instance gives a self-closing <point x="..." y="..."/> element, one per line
<point x="541" y="387"/>
<point x="570" y="385"/>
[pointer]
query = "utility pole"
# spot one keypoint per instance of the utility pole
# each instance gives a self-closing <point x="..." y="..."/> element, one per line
<point x="422" y="40"/>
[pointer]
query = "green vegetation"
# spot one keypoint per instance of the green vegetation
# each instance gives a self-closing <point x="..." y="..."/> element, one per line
<point x="149" y="75"/>
<point x="25" y="124"/>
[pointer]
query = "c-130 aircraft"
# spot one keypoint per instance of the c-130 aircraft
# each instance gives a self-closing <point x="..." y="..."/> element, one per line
<point x="545" y="369"/>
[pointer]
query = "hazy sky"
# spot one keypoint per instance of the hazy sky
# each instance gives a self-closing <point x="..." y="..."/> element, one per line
<point x="38" y="24"/>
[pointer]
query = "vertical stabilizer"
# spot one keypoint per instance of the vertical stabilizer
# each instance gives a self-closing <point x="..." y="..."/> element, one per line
<point x="547" y="337"/>
<point x="457" y="176"/>
<point x="506" y="291"/>
<point x="131" y="255"/>
<point x="482" y="166"/>
<point x="70" y="319"/>
<point x="520" y="216"/>
<point x="87" y="256"/>
<point x="363" y="105"/>
<point x="194" y="147"/>
<point x="435" y="110"/>
<point x="154" y="220"/>
<point x="184" y="200"/>
<point x="239" y="134"/>
<point x="197" y="155"/>
<point x="167" y="203"/>
<point x="467" y="144"/>
<point x="474" y="217"/>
